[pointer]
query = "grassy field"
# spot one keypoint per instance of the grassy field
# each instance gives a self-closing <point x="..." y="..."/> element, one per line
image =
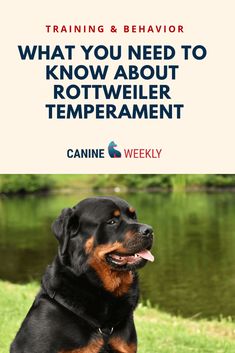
<point x="157" y="332"/>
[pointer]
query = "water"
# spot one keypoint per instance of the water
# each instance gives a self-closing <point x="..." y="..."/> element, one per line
<point x="194" y="271"/>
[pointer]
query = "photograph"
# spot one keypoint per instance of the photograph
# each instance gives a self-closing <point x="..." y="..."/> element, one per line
<point x="117" y="260"/>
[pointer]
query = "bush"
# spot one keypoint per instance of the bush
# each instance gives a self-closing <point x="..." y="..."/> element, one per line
<point x="220" y="180"/>
<point x="13" y="183"/>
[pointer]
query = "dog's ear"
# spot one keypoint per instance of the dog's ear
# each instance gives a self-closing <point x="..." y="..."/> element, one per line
<point x="65" y="226"/>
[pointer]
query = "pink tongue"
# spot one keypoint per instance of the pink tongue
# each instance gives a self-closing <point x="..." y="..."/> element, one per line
<point x="146" y="254"/>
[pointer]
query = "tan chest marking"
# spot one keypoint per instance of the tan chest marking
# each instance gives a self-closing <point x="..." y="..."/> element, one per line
<point x="121" y="346"/>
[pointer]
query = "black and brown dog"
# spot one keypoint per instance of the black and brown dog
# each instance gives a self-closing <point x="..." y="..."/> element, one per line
<point x="89" y="293"/>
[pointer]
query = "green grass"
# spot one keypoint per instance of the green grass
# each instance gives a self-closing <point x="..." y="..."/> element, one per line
<point x="164" y="333"/>
<point x="157" y="332"/>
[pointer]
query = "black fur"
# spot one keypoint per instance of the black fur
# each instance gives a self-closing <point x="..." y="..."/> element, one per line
<point x="73" y="308"/>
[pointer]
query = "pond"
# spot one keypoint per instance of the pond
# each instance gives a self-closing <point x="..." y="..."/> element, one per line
<point x="194" y="270"/>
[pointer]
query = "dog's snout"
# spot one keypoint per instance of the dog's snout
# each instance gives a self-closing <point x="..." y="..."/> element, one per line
<point x="146" y="231"/>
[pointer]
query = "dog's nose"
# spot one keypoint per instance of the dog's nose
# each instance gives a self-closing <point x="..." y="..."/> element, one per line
<point x="146" y="231"/>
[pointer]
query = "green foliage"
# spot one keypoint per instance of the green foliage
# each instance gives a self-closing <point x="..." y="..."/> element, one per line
<point x="157" y="331"/>
<point x="220" y="180"/>
<point x="133" y="181"/>
<point x="13" y="183"/>
<point x="189" y="181"/>
<point x="105" y="181"/>
<point x="175" y="182"/>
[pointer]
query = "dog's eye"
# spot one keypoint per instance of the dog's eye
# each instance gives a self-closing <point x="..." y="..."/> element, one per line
<point x="112" y="221"/>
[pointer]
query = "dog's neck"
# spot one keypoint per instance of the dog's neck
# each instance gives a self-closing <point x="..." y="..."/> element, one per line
<point x="116" y="282"/>
<point x="101" y="275"/>
<point x="60" y="282"/>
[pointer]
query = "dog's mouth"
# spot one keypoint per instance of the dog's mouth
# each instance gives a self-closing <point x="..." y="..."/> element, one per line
<point x="120" y="259"/>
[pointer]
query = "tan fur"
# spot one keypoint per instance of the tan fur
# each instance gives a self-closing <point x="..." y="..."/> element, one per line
<point x="117" y="282"/>
<point x="121" y="346"/>
<point x="131" y="210"/>
<point x="89" y="245"/>
<point x="117" y="213"/>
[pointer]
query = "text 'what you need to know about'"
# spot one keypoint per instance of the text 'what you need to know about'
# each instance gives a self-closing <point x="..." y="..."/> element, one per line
<point x="120" y="76"/>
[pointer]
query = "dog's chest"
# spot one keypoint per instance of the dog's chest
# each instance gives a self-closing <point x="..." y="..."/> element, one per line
<point x="111" y="311"/>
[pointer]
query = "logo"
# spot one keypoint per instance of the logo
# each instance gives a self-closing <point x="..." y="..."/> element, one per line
<point x="113" y="152"/>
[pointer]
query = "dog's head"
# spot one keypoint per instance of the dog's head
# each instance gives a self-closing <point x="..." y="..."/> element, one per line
<point x="112" y="144"/>
<point x="103" y="233"/>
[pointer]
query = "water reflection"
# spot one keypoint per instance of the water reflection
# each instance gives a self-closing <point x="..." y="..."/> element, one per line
<point x="194" y="271"/>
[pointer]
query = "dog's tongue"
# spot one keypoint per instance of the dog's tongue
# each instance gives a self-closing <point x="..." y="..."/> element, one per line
<point x="146" y="254"/>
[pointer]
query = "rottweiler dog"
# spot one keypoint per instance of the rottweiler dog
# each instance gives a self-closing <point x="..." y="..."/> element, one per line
<point x="89" y="292"/>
